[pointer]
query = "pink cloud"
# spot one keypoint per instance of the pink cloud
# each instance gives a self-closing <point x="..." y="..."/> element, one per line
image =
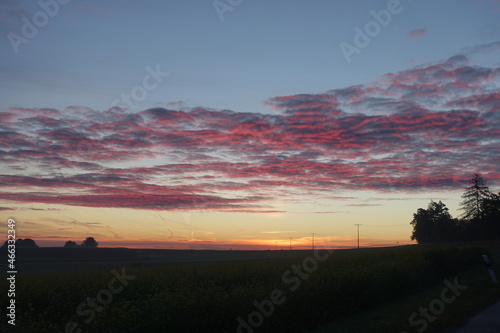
<point x="417" y="33"/>
<point x="427" y="127"/>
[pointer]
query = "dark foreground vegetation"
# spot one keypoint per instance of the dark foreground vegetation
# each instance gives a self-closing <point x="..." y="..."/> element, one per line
<point x="308" y="291"/>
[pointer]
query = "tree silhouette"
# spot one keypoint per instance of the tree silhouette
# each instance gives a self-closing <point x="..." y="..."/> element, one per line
<point x="90" y="242"/>
<point x="473" y="197"/>
<point x="490" y="219"/>
<point x="26" y="243"/>
<point x="70" y="244"/>
<point x="433" y="224"/>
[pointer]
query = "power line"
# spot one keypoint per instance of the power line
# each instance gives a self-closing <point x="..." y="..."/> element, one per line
<point x="358" y="225"/>
<point x="387" y="226"/>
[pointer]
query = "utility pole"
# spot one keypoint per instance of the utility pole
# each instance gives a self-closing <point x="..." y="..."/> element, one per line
<point x="290" y="243"/>
<point x="313" y="233"/>
<point x="358" y="225"/>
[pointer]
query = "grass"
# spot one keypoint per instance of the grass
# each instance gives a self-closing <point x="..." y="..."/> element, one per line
<point x="350" y="288"/>
<point x="394" y="316"/>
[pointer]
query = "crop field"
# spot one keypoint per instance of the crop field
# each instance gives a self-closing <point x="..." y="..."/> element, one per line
<point x="120" y="290"/>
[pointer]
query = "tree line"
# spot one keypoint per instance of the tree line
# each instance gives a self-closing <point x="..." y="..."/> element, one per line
<point x="89" y="242"/>
<point x="480" y="219"/>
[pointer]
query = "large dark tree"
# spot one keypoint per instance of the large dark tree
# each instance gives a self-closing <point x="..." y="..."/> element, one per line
<point x="481" y="207"/>
<point x="90" y="242"/>
<point x="422" y="226"/>
<point x="433" y="224"/>
<point x="474" y="195"/>
<point x="491" y="216"/>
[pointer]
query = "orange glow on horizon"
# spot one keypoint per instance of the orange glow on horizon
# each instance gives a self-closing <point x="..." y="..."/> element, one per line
<point x="236" y="245"/>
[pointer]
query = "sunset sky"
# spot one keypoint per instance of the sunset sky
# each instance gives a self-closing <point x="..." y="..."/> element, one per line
<point x="243" y="124"/>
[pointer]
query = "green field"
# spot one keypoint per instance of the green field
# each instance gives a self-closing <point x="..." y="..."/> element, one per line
<point x="366" y="290"/>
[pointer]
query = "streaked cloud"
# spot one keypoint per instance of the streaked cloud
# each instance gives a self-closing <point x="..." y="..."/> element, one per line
<point x="427" y="127"/>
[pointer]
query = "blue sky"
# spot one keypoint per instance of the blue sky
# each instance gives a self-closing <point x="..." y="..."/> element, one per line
<point x="91" y="51"/>
<point x="254" y="129"/>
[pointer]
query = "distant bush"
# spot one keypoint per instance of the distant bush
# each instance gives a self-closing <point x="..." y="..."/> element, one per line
<point x="26" y="243"/>
<point x="90" y="242"/>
